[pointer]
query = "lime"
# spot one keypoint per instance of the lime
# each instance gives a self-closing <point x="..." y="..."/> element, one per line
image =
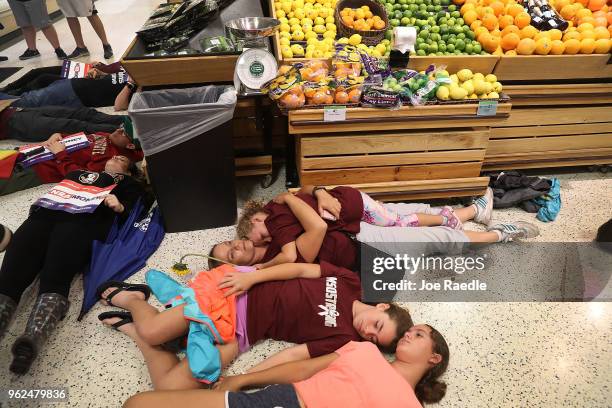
<point x="460" y="45"/>
<point x="461" y="36"/>
<point x="471" y="35"/>
<point x="445" y="37"/>
<point x="442" y="47"/>
<point x="394" y="22"/>
<point x="460" y="21"/>
<point x="457" y="29"/>
<point x="436" y="37"/>
<point x="424" y="34"/>
<point x="452" y="8"/>
<point x="455" y="14"/>
<point x="433" y="48"/>
<point x="389" y="35"/>
<point x="469" y="48"/>
<point x="407" y="13"/>
<point x="477" y="48"/>
<point x="443" y="29"/>
<point x="405" y="21"/>
<point x="421" y="53"/>
<point x="451" y="22"/>
<point x="450" y="47"/>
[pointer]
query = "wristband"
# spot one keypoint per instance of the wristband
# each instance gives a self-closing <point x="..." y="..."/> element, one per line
<point x="131" y="86"/>
<point x="317" y="188"/>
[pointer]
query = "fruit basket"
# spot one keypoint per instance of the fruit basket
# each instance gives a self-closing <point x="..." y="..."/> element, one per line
<point x="369" y="37"/>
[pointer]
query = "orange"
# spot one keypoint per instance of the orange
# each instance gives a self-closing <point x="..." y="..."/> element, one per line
<point x="585" y="27"/>
<point x="575" y="35"/>
<point x="529" y="32"/>
<point x="510" y="41"/>
<point x="526" y="46"/>
<point x="602" y="46"/>
<point x="490" y="22"/>
<point x="470" y="16"/>
<point x="522" y="20"/>
<point x="568" y="12"/>
<point x="586" y="20"/>
<point x="600" y="21"/>
<point x="541" y="34"/>
<point x="498" y="7"/>
<point x="588" y="34"/>
<point x="458" y="2"/>
<point x="490" y="43"/>
<point x="601" y="32"/>
<point x="583" y="2"/>
<point x="505" y="21"/>
<point x="475" y="25"/>
<point x="466" y="7"/>
<point x="543" y="46"/>
<point x="582" y="13"/>
<point x="496" y="32"/>
<point x="587" y="46"/>
<point x="572" y="46"/>
<point x="559" y="4"/>
<point x="555" y="34"/>
<point x="609" y="17"/>
<point x="510" y="53"/>
<point x="596" y="4"/>
<point x="515" y="9"/>
<point x="511" y="29"/>
<point x="557" y="47"/>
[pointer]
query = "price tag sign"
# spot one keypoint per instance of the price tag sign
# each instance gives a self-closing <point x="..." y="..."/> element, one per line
<point x="334" y="113"/>
<point x="487" y="108"/>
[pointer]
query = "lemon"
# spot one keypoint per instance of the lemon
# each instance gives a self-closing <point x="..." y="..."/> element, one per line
<point x="285" y="34"/>
<point x="328" y="41"/>
<point x="280" y="14"/>
<point x="286" y="6"/>
<point x="491" y="78"/>
<point x="468" y="86"/>
<point x="328" y="54"/>
<point x="376" y="53"/>
<point x="478" y="75"/>
<point x="331" y="27"/>
<point x="307" y="21"/>
<point x="497" y="87"/>
<point x="464" y="75"/>
<point x="493" y="95"/>
<point x="319" y="21"/>
<point x="296" y="27"/>
<point x="443" y="93"/>
<point x="489" y="87"/>
<point x="343" y="40"/>
<point x="362" y="46"/>
<point x="317" y="54"/>
<point x="319" y="29"/>
<point x="310" y="35"/>
<point x="299" y="13"/>
<point x="285" y="28"/>
<point x="284" y="41"/>
<point x="473" y="96"/>
<point x="278" y="5"/>
<point x="297" y="36"/>
<point x="457" y="93"/>
<point x="297" y="50"/>
<point x="381" y="48"/>
<point x="307" y="28"/>
<point x="355" y="39"/>
<point x="309" y="54"/>
<point x="283" y="20"/>
<point x="324" y="12"/>
<point x="480" y="86"/>
<point x="286" y="52"/>
<point x="330" y="19"/>
<point x="454" y="79"/>
<point x="329" y="34"/>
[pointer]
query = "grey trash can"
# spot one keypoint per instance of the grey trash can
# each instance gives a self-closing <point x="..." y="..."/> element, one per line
<point x="186" y="136"/>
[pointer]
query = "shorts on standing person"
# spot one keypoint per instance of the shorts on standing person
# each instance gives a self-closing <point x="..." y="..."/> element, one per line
<point x="30" y="13"/>
<point x="77" y="8"/>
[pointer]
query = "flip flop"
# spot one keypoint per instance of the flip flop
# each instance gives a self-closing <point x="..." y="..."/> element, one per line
<point x="126" y="317"/>
<point x="121" y="286"/>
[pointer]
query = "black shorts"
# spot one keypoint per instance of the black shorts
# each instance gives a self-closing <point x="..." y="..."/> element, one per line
<point x="273" y="396"/>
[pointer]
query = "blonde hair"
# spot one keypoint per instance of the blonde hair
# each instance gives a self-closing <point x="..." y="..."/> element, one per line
<point x="244" y="226"/>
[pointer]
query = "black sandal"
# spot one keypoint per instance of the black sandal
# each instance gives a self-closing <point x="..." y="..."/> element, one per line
<point x="121" y="286"/>
<point x="126" y="318"/>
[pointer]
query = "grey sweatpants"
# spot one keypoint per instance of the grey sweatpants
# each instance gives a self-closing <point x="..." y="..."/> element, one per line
<point x="413" y="240"/>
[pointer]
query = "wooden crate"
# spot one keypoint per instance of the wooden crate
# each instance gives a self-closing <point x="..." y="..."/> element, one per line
<point x="178" y="70"/>
<point x="596" y="93"/>
<point x="307" y="121"/>
<point x="377" y="157"/>
<point x="546" y="67"/>
<point x="555" y="136"/>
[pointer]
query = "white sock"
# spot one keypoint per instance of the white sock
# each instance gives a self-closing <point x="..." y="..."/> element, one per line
<point x="501" y="236"/>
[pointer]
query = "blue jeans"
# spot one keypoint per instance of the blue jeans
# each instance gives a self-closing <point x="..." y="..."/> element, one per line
<point x="59" y="93"/>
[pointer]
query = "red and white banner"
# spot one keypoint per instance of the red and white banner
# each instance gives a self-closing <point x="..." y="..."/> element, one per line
<point x="75" y="198"/>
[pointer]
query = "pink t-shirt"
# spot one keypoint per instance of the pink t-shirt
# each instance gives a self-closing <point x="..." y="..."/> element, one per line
<point x="359" y="378"/>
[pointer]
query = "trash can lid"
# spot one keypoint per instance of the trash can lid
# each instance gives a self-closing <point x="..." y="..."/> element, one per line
<point x="255" y="67"/>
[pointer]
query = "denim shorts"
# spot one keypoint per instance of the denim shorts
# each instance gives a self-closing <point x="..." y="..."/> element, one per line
<point x="273" y="396"/>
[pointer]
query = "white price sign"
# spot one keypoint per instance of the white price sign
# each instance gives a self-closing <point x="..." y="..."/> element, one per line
<point x="334" y="113"/>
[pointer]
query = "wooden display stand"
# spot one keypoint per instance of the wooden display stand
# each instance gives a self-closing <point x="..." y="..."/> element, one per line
<point x="553" y="126"/>
<point x="411" y="153"/>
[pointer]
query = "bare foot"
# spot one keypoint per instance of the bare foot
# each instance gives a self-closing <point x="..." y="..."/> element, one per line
<point x="121" y="299"/>
<point x="129" y="329"/>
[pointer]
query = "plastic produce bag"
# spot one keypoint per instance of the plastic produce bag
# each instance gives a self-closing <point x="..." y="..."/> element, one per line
<point x="168" y="117"/>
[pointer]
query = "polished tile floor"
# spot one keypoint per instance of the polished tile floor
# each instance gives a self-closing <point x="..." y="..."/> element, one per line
<point x="502" y="354"/>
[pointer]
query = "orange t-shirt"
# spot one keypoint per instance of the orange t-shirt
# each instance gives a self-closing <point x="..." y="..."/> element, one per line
<point x="359" y="378"/>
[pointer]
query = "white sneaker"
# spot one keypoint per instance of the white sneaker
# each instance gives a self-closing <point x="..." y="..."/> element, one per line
<point x="518" y="229"/>
<point x="484" y="208"/>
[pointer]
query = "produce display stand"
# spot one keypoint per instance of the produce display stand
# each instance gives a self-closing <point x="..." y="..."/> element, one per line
<point x="411" y="153"/>
<point x="553" y="126"/>
<point x="551" y="67"/>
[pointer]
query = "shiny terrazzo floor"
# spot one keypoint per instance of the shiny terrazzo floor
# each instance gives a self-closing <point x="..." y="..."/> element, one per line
<point x="502" y="354"/>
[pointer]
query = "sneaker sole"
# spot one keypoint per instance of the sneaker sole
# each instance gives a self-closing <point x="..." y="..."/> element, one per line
<point x="27" y="58"/>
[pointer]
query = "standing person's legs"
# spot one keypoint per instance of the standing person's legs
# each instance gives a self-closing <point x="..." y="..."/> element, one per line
<point x="39" y="17"/>
<point x="29" y="34"/>
<point x="51" y="35"/>
<point x="25" y="23"/>
<point x="75" y="29"/>
<point x="98" y="27"/>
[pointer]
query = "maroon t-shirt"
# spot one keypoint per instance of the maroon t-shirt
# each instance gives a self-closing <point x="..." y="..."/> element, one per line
<point x="318" y="312"/>
<point x="337" y="247"/>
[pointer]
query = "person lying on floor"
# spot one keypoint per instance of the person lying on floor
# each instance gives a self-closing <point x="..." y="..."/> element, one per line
<point x="106" y="85"/>
<point x="356" y="375"/>
<point x="348" y="206"/>
<point x="55" y="243"/>
<point x="38" y="124"/>
<point x="316" y="306"/>
<point x="102" y="146"/>
<point x="295" y="227"/>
